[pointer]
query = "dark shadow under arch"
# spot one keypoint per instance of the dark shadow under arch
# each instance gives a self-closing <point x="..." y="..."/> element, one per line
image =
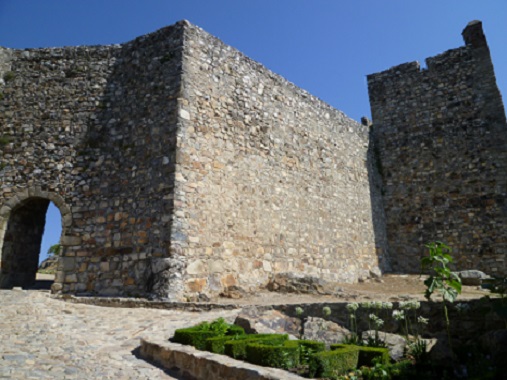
<point x="22" y="242"/>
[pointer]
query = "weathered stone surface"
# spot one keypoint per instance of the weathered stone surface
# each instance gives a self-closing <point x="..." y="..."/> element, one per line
<point x="190" y="363"/>
<point x="495" y="343"/>
<point x="234" y="292"/>
<point x="50" y="264"/>
<point x="325" y="331"/>
<point x="440" y="352"/>
<point x="440" y="137"/>
<point x="395" y="343"/>
<point x="300" y="283"/>
<point x="258" y="321"/>
<point x="177" y="177"/>
<point x="472" y="277"/>
<point x="176" y="151"/>
<point x="46" y="338"/>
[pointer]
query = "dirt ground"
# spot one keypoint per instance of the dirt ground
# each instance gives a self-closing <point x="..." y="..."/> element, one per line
<point x="391" y="287"/>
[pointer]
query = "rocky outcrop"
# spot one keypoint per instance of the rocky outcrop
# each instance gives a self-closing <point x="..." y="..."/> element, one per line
<point x="301" y="284"/>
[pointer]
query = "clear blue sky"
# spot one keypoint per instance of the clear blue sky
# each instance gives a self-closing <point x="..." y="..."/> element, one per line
<point x="324" y="46"/>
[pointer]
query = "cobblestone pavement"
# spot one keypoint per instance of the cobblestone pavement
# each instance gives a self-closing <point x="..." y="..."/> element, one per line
<point x="45" y="338"/>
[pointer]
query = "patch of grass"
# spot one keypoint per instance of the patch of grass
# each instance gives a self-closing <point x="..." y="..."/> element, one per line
<point x="8" y="76"/>
<point x="167" y="57"/>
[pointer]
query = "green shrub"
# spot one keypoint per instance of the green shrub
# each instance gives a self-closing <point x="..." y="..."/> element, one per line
<point x="367" y="354"/>
<point x="234" y="330"/>
<point x="237" y="348"/>
<point x="308" y="348"/>
<point x="338" y="346"/>
<point x="193" y="337"/>
<point x="400" y="370"/>
<point x="197" y="335"/>
<point x="217" y="344"/>
<point x="333" y="363"/>
<point x="284" y="356"/>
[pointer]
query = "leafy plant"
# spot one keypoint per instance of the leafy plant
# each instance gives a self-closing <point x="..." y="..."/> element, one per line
<point x="218" y="326"/>
<point x="441" y="279"/>
<point x="375" y="341"/>
<point x="54" y="250"/>
<point x="419" y="351"/>
<point x="299" y="313"/>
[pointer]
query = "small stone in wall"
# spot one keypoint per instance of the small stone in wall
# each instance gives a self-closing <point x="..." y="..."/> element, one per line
<point x="233" y="292"/>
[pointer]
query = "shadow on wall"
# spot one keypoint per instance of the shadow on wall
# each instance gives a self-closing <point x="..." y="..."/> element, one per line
<point x="129" y="154"/>
<point x="375" y="179"/>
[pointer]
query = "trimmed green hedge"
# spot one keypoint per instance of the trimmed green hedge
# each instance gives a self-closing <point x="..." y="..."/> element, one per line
<point x="217" y="344"/>
<point x="276" y="356"/>
<point x="308" y="348"/>
<point x="338" y="346"/>
<point x="237" y="348"/>
<point x="333" y="363"/>
<point x="235" y="330"/>
<point x="193" y="337"/>
<point x="367" y="354"/>
<point x="197" y="335"/>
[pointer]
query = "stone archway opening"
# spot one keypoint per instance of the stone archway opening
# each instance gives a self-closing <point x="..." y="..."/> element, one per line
<point x="22" y="243"/>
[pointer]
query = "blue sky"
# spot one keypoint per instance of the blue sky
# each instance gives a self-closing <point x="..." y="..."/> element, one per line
<point x="324" y="46"/>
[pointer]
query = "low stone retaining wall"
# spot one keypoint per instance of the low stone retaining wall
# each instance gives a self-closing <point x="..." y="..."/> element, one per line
<point x="193" y="364"/>
<point x="143" y="302"/>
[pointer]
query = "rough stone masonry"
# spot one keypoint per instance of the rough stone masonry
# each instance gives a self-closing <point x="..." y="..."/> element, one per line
<point x="440" y="135"/>
<point x="181" y="167"/>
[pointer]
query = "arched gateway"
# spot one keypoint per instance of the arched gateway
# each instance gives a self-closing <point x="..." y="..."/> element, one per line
<point x="22" y="221"/>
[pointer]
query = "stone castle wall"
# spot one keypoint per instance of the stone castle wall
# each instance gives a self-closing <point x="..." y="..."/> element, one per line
<point x="440" y="138"/>
<point x="271" y="178"/>
<point x="93" y="130"/>
<point x="180" y="167"/>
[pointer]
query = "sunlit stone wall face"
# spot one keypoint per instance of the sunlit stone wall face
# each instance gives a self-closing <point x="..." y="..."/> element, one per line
<point x="270" y="178"/>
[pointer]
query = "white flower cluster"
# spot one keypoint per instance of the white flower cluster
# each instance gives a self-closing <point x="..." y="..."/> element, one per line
<point x="398" y="315"/>
<point x="376" y="305"/>
<point x="376" y="320"/>
<point x="422" y="320"/>
<point x="410" y="305"/>
<point x="351" y="307"/>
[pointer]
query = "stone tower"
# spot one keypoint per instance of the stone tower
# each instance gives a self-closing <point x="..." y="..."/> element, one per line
<point x="440" y="137"/>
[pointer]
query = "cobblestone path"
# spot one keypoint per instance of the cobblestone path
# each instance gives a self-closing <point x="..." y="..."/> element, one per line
<point x="44" y="338"/>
